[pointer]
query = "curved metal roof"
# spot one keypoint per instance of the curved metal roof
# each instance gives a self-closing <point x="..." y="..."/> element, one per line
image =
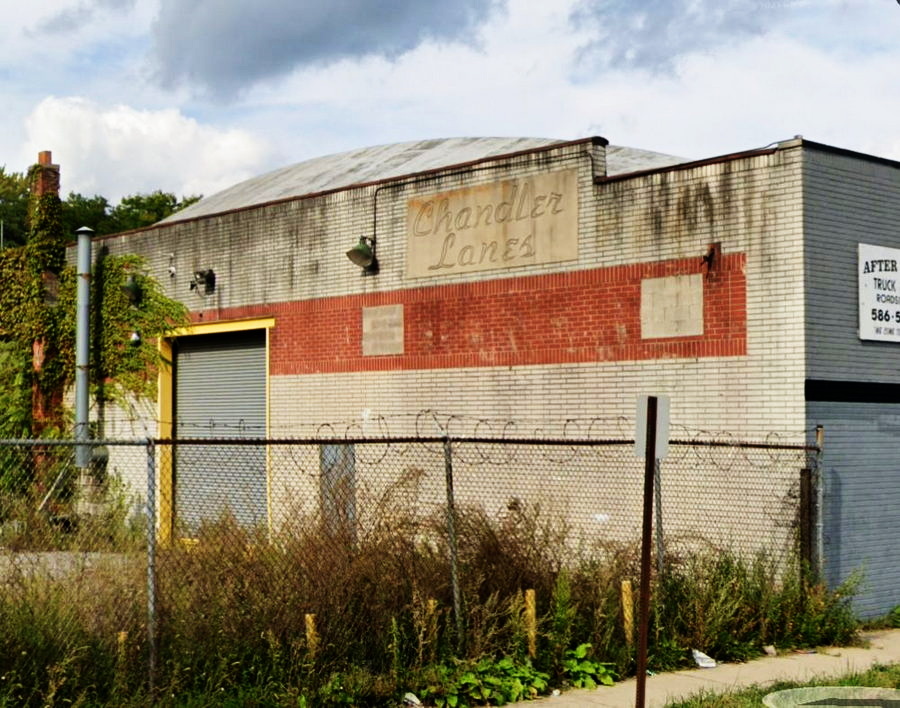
<point x="382" y="162"/>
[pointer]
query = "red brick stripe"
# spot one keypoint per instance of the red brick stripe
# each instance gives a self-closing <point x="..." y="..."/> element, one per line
<point x="579" y="316"/>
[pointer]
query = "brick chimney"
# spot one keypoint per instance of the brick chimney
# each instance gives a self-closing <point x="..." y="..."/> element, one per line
<point x="46" y="181"/>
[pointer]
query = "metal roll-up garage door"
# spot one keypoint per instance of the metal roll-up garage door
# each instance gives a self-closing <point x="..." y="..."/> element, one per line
<point x="220" y="393"/>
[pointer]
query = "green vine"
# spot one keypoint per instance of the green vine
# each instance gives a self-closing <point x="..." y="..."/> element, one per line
<point x="37" y="323"/>
<point x="46" y="247"/>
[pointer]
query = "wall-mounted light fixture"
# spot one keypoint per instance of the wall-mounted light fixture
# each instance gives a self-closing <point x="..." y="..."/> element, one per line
<point x="710" y="259"/>
<point x="363" y="255"/>
<point x="204" y="281"/>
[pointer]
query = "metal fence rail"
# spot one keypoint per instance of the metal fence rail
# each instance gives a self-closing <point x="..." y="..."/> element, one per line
<point x="232" y="532"/>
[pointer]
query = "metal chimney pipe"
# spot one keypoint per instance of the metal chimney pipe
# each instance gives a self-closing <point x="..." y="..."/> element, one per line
<point x="82" y="348"/>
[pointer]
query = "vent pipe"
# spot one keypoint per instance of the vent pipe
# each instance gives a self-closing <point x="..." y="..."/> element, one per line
<point x="82" y="346"/>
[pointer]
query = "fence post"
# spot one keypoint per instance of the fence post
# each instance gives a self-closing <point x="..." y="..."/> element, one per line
<point x="806" y="550"/>
<point x="646" y="541"/>
<point x="660" y="548"/>
<point x="152" y="635"/>
<point x="451" y="538"/>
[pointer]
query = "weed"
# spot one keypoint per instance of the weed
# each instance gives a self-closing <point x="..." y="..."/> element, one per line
<point x="483" y="682"/>
<point x="583" y="672"/>
<point x="729" y="607"/>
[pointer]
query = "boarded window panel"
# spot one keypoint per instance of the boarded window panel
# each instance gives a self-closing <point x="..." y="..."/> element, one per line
<point x="220" y="393"/>
<point x="337" y="488"/>
<point x="672" y="306"/>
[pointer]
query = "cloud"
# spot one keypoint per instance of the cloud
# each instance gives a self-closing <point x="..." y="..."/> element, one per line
<point x="73" y="18"/>
<point x="116" y="151"/>
<point x="225" y="47"/>
<point x="496" y="88"/>
<point x="653" y="34"/>
<point x="767" y="89"/>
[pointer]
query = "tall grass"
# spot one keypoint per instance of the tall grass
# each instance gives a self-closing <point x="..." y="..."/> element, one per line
<point x="729" y="607"/>
<point x="72" y="636"/>
<point x="329" y="615"/>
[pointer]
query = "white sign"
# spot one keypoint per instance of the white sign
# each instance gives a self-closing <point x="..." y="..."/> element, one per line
<point x="879" y="293"/>
<point x="662" y="427"/>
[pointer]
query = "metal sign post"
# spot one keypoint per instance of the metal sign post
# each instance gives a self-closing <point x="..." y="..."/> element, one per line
<point x="652" y="435"/>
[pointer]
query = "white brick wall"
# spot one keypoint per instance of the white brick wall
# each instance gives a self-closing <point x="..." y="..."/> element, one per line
<point x="295" y="250"/>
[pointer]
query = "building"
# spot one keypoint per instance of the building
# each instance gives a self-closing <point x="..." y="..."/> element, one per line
<point x="546" y="280"/>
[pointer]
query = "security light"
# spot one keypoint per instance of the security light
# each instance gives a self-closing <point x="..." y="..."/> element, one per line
<point x="204" y="281"/>
<point x="363" y="255"/>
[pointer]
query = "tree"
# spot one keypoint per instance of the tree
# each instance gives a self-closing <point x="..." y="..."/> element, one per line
<point x="134" y="211"/>
<point x="140" y="210"/>
<point x="93" y="212"/>
<point x="13" y="207"/>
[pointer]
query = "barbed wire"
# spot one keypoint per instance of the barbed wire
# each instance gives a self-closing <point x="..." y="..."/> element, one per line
<point x="431" y="423"/>
<point x="492" y="441"/>
<point x="713" y="483"/>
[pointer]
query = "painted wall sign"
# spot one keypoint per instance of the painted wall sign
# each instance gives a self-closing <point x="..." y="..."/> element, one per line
<point x="879" y="293"/>
<point x="505" y="224"/>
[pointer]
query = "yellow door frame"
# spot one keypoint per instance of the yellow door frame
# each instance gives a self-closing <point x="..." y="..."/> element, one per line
<point x="166" y="407"/>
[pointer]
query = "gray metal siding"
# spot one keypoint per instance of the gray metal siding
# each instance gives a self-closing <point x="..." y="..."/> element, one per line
<point x="847" y="201"/>
<point x="220" y="392"/>
<point x="861" y="513"/>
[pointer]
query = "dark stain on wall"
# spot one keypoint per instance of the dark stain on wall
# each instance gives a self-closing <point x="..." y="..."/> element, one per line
<point x="660" y="200"/>
<point x="695" y="206"/>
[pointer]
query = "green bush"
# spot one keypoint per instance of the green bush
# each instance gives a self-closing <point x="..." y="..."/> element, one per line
<point x="894" y="617"/>
<point x="729" y="608"/>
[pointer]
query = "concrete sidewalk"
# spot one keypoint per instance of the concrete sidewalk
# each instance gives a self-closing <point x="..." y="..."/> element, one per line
<point x="661" y="689"/>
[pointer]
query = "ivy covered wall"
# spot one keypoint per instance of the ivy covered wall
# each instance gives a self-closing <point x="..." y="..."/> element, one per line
<point x="37" y="325"/>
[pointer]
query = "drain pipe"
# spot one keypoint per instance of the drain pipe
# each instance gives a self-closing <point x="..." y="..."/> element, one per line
<point x="82" y="348"/>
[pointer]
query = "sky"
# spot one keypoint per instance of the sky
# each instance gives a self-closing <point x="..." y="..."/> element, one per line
<point x="192" y="96"/>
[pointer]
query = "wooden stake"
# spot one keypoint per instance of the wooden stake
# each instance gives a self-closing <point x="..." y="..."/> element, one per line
<point x="312" y="636"/>
<point x="628" y="612"/>
<point x="531" y="622"/>
<point x="121" y="659"/>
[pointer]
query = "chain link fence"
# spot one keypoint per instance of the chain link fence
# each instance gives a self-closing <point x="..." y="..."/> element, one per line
<point x="307" y="551"/>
